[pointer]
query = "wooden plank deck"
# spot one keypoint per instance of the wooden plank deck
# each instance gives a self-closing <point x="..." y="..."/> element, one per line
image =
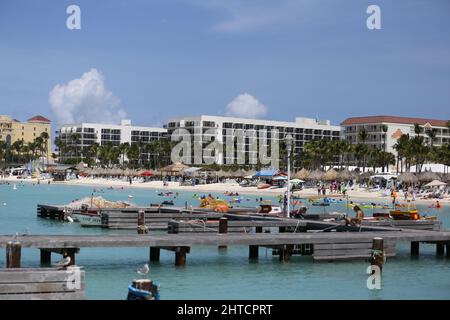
<point x="176" y="240"/>
<point x="40" y="284"/>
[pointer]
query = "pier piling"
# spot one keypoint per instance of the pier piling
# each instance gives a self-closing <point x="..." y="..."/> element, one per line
<point x="447" y="250"/>
<point x="378" y="253"/>
<point x="223" y="228"/>
<point x="440" y="249"/>
<point x="414" y="248"/>
<point x="180" y="256"/>
<point x="141" y="229"/>
<point x="154" y="254"/>
<point x="46" y="257"/>
<point x="13" y="254"/>
<point x="253" y="252"/>
<point x="286" y="252"/>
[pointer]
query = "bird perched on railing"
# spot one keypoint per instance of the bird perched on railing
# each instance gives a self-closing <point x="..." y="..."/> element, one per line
<point x="64" y="263"/>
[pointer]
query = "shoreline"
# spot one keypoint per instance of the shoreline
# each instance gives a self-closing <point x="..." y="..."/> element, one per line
<point x="360" y="194"/>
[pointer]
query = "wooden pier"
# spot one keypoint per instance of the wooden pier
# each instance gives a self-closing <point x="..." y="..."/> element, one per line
<point x="325" y="246"/>
<point x="42" y="284"/>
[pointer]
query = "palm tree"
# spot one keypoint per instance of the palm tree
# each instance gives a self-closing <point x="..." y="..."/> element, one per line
<point x="431" y="135"/>
<point x="417" y="129"/>
<point x="44" y="148"/>
<point x="123" y="148"/>
<point x="16" y="148"/>
<point x="384" y="128"/>
<point x="401" y="147"/>
<point x="362" y="138"/>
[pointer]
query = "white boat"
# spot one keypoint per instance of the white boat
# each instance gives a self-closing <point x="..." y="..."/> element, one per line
<point x="88" y="219"/>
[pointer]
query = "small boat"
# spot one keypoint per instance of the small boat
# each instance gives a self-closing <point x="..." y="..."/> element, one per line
<point x="167" y="203"/>
<point x="263" y="186"/>
<point x="89" y="218"/>
<point x="405" y="215"/>
<point x="143" y="289"/>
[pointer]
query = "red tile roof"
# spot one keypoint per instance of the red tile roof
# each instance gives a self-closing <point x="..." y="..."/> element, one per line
<point x="39" y="119"/>
<point x="393" y="119"/>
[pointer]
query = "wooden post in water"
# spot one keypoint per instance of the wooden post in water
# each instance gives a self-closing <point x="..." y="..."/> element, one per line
<point x="258" y="229"/>
<point x="253" y="252"/>
<point x="154" y="254"/>
<point x="141" y="228"/>
<point x="447" y="250"/>
<point x="286" y="252"/>
<point x="378" y="254"/>
<point x="440" y="249"/>
<point x="223" y="228"/>
<point x="414" y="248"/>
<point x="46" y="257"/>
<point x="13" y="254"/>
<point x="180" y="256"/>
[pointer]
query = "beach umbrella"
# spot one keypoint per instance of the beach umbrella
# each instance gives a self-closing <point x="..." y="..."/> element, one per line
<point x="435" y="183"/>
<point x="146" y="173"/>
<point x="81" y="166"/>
<point x="445" y="177"/>
<point x="297" y="181"/>
<point x="174" y="167"/>
<point x="345" y="175"/>
<point x="363" y="177"/>
<point x="428" y="176"/>
<point x="315" y="175"/>
<point x="408" y="177"/>
<point x="302" y="174"/>
<point x="330" y="175"/>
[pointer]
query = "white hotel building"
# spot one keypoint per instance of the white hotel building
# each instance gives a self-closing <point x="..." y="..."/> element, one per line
<point x="89" y="133"/>
<point x="302" y="131"/>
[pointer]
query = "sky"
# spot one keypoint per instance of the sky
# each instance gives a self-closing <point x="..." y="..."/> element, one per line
<point x="151" y="60"/>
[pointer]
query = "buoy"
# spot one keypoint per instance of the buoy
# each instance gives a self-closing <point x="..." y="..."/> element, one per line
<point x="69" y="218"/>
<point x="14" y="187"/>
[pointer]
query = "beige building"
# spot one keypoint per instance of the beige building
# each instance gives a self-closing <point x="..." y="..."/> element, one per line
<point x="12" y="130"/>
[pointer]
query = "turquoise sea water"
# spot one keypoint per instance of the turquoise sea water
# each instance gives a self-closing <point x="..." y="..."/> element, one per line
<point x="220" y="274"/>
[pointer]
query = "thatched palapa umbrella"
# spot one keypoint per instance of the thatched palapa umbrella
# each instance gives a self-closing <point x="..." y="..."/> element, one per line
<point x="363" y="177"/>
<point x="408" y="177"/>
<point x="316" y="175"/>
<point x="330" y="175"/>
<point x="428" y="176"/>
<point x="174" y="168"/>
<point x="302" y="174"/>
<point x="345" y="175"/>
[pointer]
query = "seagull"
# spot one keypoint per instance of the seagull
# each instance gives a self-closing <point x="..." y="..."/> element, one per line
<point x="64" y="262"/>
<point x="143" y="270"/>
<point x="16" y="237"/>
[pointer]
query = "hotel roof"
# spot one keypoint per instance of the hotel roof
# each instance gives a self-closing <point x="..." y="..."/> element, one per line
<point x="394" y="119"/>
<point x="39" y="119"/>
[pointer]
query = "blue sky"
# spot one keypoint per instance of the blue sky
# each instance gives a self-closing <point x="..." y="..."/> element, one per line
<point x="160" y="58"/>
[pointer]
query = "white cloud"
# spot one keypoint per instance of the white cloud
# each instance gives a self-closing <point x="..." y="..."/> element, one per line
<point x="85" y="99"/>
<point x="246" y="106"/>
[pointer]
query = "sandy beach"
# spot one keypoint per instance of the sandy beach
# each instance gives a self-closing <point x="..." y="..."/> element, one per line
<point x="355" y="193"/>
